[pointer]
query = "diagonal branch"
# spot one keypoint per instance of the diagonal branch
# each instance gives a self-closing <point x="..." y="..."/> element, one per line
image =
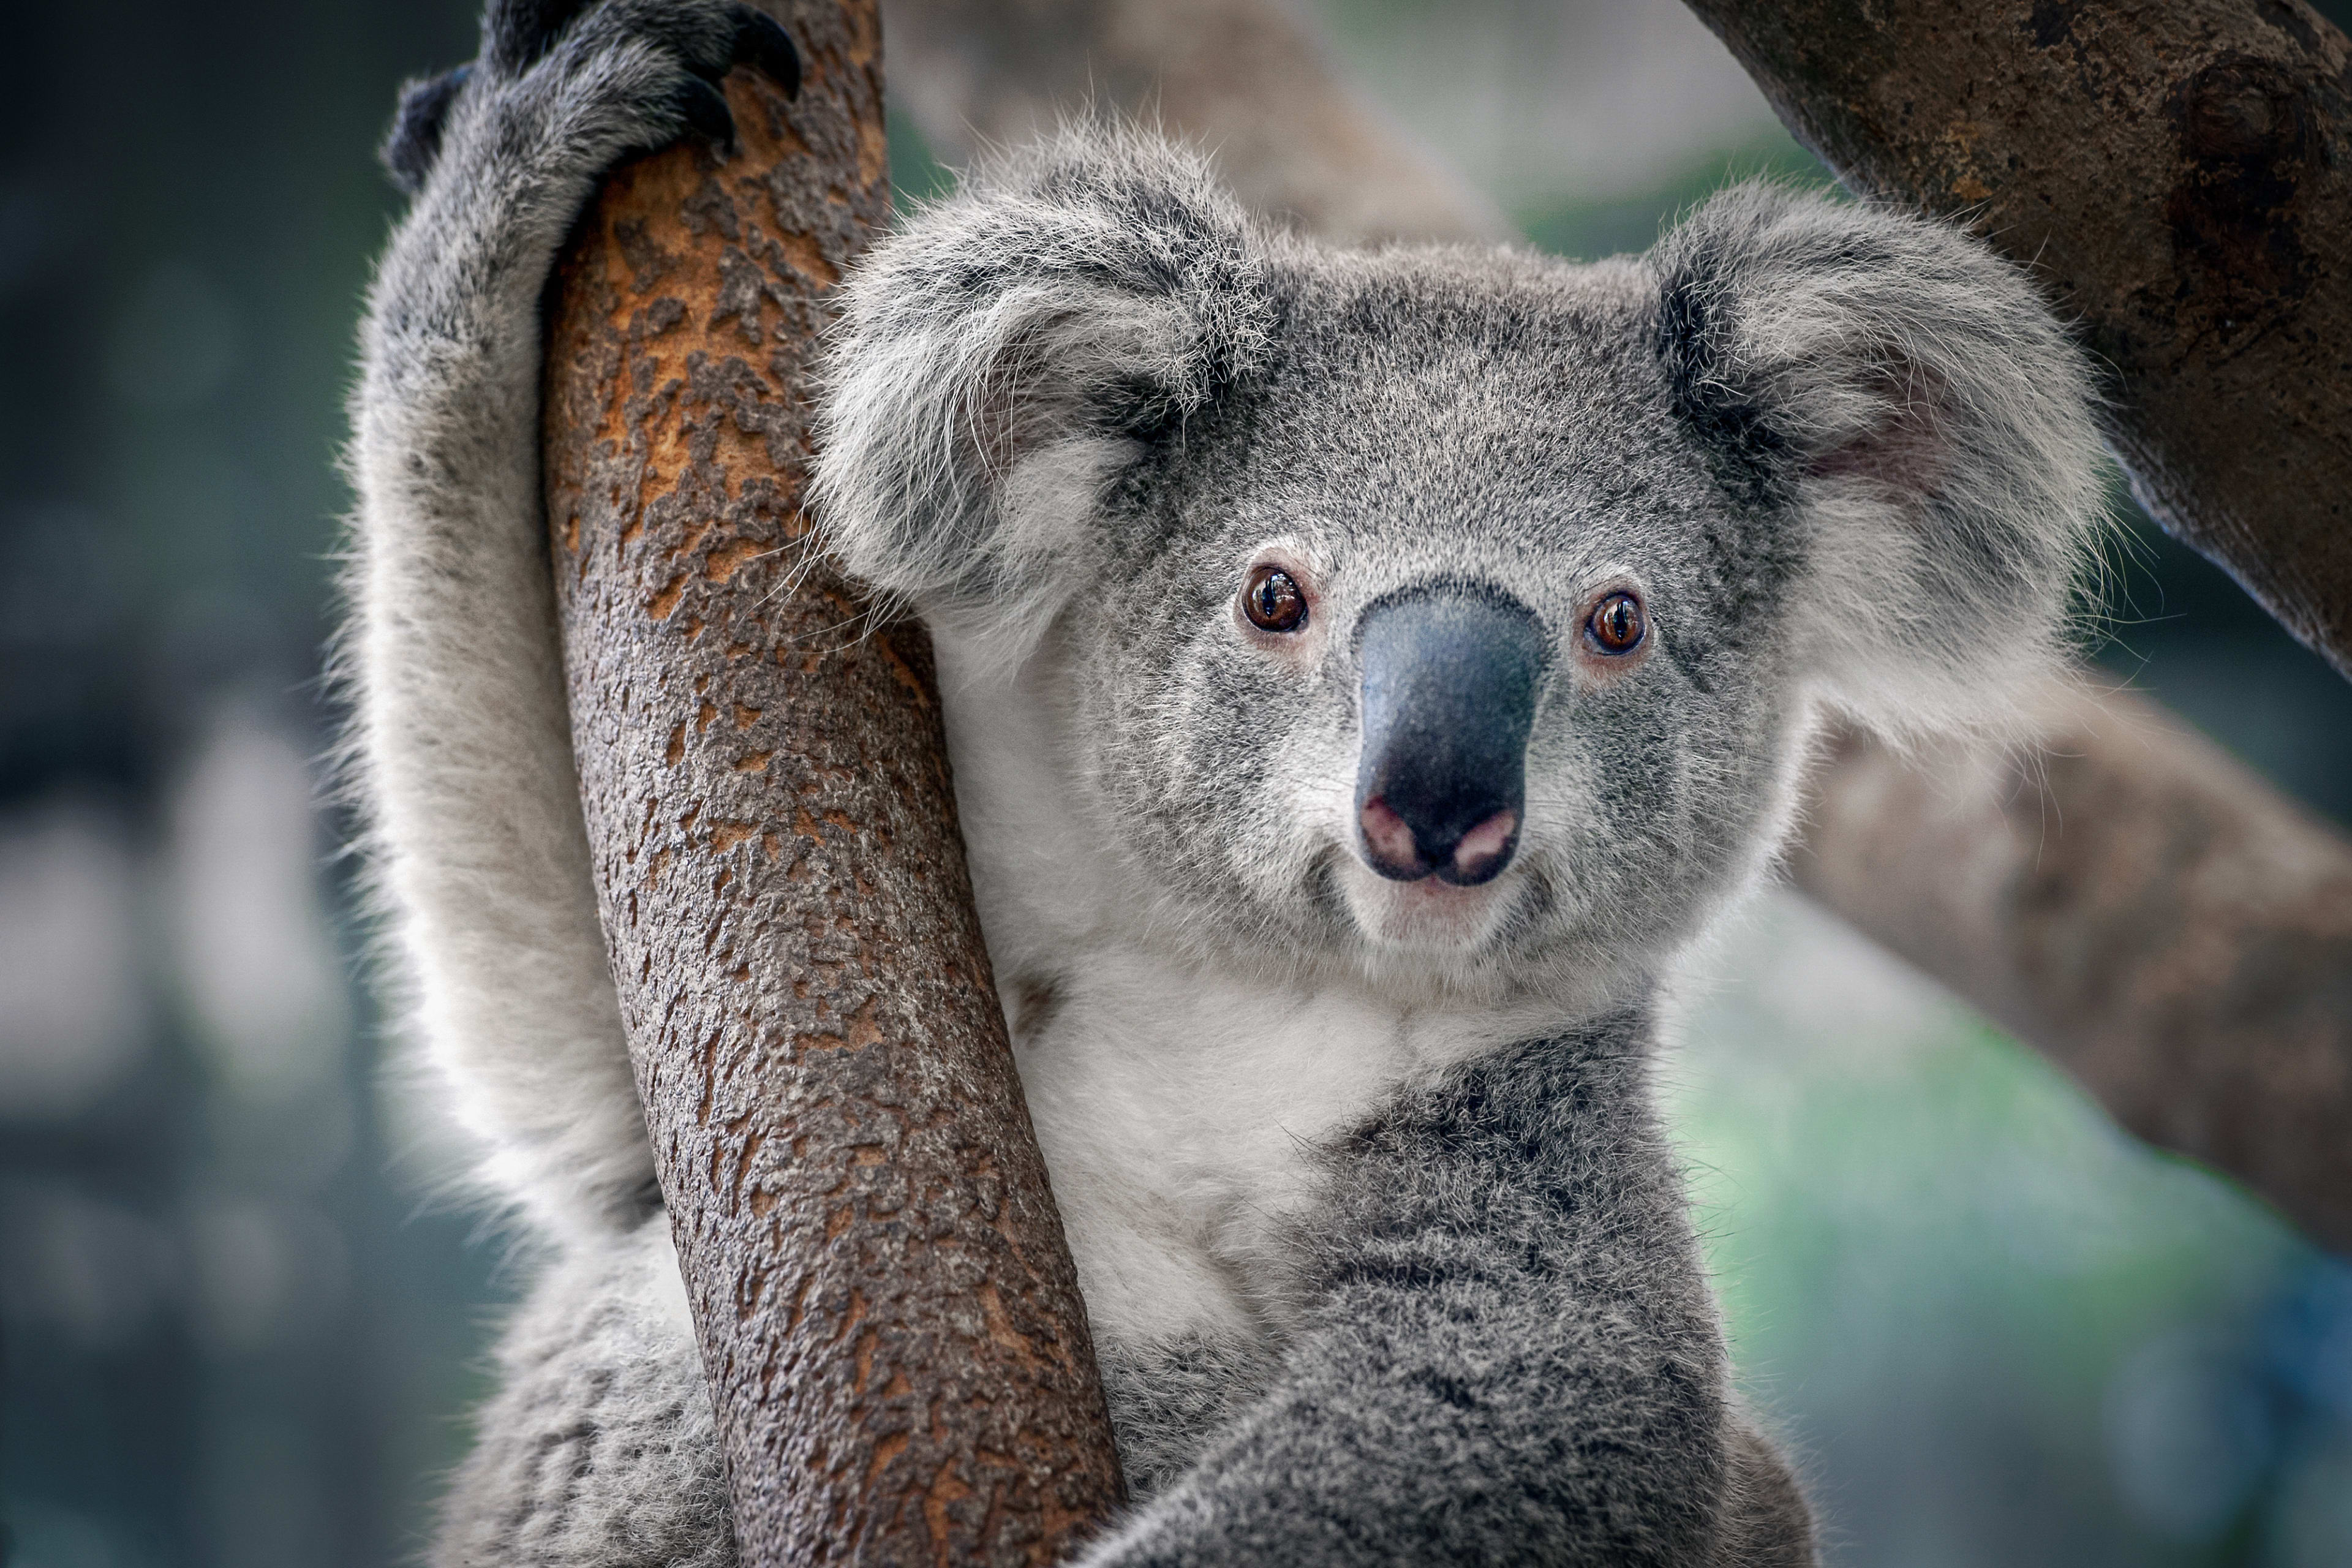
<point x="2140" y="906"/>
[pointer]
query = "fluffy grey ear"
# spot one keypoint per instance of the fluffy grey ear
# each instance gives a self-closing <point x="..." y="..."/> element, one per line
<point x="1904" y="395"/>
<point x="1004" y="358"/>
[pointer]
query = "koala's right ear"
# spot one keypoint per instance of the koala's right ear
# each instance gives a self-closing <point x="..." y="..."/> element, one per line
<point x="1007" y="355"/>
<point x="1903" y="395"/>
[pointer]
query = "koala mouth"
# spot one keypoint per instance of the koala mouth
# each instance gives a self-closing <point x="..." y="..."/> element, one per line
<point x="1450" y="681"/>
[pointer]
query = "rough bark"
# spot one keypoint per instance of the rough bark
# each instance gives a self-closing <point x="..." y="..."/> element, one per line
<point x="2111" y="898"/>
<point x="2230" y="1039"/>
<point x="2179" y="172"/>
<point x="888" y="1316"/>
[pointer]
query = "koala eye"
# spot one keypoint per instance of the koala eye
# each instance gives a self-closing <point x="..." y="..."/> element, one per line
<point x="1616" y="624"/>
<point x="1272" y="600"/>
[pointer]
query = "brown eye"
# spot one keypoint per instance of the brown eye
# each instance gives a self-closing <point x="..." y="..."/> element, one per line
<point x="1616" y="623"/>
<point x="1272" y="601"/>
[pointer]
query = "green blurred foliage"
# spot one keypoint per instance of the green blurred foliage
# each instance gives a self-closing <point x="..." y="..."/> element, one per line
<point x="1589" y="228"/>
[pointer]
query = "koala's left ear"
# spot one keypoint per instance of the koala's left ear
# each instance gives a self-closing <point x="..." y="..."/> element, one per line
<point x="1002" y="359"/>
<point x="1904" y="398"/>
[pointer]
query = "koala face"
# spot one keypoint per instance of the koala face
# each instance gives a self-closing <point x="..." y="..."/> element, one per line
<point x="1417" y="645"/>
<point x="1445" y="613"/>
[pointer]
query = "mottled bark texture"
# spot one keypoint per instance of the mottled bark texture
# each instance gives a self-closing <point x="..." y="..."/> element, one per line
<point x="2110" y="899"/>
<point x="2230" y="1039"/>
<point x="888" y="1316"/>
<point x="2178" y="173"/>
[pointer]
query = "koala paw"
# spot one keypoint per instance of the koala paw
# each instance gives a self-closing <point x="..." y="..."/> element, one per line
<point x="584" y="86"/>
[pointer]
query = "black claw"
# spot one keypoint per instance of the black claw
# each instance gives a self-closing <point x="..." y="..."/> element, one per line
<point x="707" y="111"/>
<point x="516" y="33"/>
<point x="763" y="41"/>
<point x="414" y="142"/>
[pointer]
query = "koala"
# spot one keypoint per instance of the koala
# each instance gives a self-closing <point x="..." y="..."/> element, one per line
<point x="1366" y="672"/>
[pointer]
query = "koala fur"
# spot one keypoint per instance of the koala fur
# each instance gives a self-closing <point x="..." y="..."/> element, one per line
<point x="1384" y="1249"/>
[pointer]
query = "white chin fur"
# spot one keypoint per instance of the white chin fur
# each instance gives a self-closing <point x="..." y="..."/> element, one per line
<point x="1428" y="918"/>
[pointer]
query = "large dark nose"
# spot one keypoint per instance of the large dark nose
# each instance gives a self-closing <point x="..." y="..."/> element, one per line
<point x="1450" y="682"/>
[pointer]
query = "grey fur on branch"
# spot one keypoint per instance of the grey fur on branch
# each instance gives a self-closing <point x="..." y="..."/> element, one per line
<point x="1382" y="1245"/>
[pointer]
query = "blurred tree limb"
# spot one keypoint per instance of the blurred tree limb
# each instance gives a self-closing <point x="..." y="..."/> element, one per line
<point x="2146" y="910"/>
<point x="2140" y="906"/>
<point x="888" y="1316"/>
<point x="1291" y="134"/>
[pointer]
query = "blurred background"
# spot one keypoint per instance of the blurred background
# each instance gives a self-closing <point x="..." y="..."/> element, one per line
<point x="238" y="1327"/>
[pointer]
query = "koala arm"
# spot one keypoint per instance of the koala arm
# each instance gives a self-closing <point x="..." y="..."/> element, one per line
<point x="599" y="1449"/>
<point x="1507" y="1351"/>
<point x="461" y="740"/>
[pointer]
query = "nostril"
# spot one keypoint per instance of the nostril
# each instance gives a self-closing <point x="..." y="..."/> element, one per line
<point x="1481" y="853"/>
<point x="1389" y="842"/>
<point x="1393" y="848"/>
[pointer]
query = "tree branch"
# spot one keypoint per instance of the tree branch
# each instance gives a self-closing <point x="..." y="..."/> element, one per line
<point x="2178" y="173"/>
<point x="2137" y="904"/>
<point x="888" y="1316"/>
<point x="1290" y="131"/>
<point x="2222" y="1030"/>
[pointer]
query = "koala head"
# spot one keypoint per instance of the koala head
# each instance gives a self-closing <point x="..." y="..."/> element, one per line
<point x="1450" y="612"/>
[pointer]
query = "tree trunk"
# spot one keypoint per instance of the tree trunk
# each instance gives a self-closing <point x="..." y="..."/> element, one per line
<point x="2179" y="174"/>
<point x="2202" y="998"/>
<point x="897" y="1355"/>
